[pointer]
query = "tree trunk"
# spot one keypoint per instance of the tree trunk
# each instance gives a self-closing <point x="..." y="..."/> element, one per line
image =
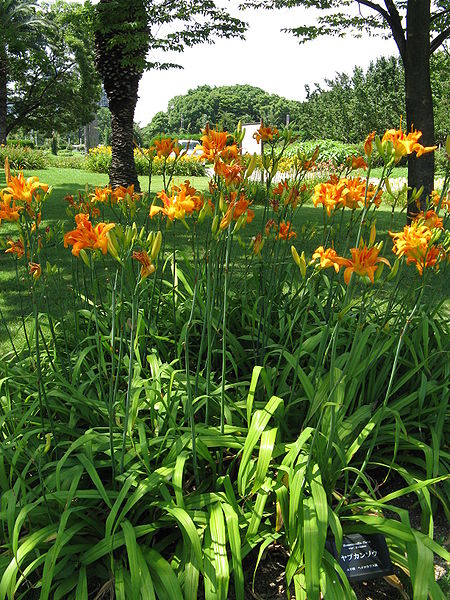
<point x="3" y="93"/>
<point x="419" y="100"/>
<point x="123" y="168"/>
<point x="121" y="78"/>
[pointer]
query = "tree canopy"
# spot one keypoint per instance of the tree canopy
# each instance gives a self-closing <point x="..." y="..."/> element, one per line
<point x="418" y="27"/>
<point x="224" y="106"/>
<point x="50" y="83"/>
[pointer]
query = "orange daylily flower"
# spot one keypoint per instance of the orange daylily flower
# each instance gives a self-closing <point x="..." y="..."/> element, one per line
<point x="35" y="270"/>
<point x="232" y="174"/>
<point x="368" y="143"/>
<point x="122" y="193"/>
<point x="405" y="144"/>
<point x="183" y="201"/>
<point x="87" y="236"/>
<point x="285" y="232"/>
<point x="236" y="209"/>
<point x="414" y="242"/>
<point x="329" y="194"/>
<point x="430" y="219"/>
<point x="23" y="190"/>
<point x="445" y="204"/>
<point x="356" y="162"/>
<point x="265" y="134"/>
<point x="363" y="262"/>
<point x="257" y="243"/>
<point x="9" y="211"/>
<point x="242" y="206"/>
<point x="102" y="195"/>
<point x="213" y="143"/>
<point x="165" y="146"/>
<point x="15" y="247"/>
<point x="328" y="258"/>
<point x="230" y="154"/>
<point x="148" y="268"/>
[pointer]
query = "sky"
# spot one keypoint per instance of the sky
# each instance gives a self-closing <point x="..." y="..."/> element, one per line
<point x="268" y="58"/>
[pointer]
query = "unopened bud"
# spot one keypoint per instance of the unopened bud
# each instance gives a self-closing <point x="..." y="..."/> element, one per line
<point x="394" y="270"/>
<point x="84" y="257"/>
<point x="156" y="246"/>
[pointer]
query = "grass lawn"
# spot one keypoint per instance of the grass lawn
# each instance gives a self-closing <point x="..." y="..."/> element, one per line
<point x="14" y="301"/>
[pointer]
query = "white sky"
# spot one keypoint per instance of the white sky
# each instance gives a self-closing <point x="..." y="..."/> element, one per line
<point x="268" y="58"/>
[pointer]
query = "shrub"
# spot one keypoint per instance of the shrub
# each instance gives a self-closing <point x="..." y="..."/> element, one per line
<point x="99" y="161"/>
<point x="23" y="157"/>
<point x="67" y="160"/>
<point x="22" y="143"/>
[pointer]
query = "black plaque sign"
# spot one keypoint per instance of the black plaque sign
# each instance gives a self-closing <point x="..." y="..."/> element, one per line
<point x="363" y="556"/>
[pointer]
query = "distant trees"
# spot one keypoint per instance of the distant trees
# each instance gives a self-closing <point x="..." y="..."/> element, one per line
<point x="345" y="108"/>
<point x="223" y="105"/>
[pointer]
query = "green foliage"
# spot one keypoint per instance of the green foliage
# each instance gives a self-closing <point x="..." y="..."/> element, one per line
<point x="23" y="157"/>
<point x="224" y="106"/>
<point x="99" y="161"/>
<point x="158" y="428"/>
<point x="24" y="143"/>
<point x="53" y="84"/>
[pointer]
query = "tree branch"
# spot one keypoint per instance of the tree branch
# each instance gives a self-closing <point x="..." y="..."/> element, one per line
<point x="438" y="15"/>
<point x="392" y="18"/>
<point x="32" y="106"/>
<point x="439" y="39"/>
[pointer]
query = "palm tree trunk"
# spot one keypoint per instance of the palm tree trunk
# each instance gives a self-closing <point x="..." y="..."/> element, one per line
<point x="121" y="76"/>
<point x="419" y="100"/>
<point x="3" y="93"/>
<point x="123" y="168"/>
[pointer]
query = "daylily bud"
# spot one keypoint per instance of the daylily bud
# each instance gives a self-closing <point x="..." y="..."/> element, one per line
<point x="379" y="146"/>
<point x="222" y="204"/>
<point x="373" y="234"/>
<point x="387" y="183"/>
<point x="156" y="246"/>
<point x="48" y="442"/>
<point x="240" y="222"/>
<point x="447" y="146"/>
<point x="84" y="257"/>
<point x="415" y="194"/>
<point x="378" y="272"/>
<point x="394" y="270"/>
<point x="251" y="166"/>
<point x="302" y="265"/>
<point x="7" y="170"/>
<point x="150" y="238"/>
<point x="295" y="256"/>
<point x="215" y="224"/>
<point x="435" y="236"/>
